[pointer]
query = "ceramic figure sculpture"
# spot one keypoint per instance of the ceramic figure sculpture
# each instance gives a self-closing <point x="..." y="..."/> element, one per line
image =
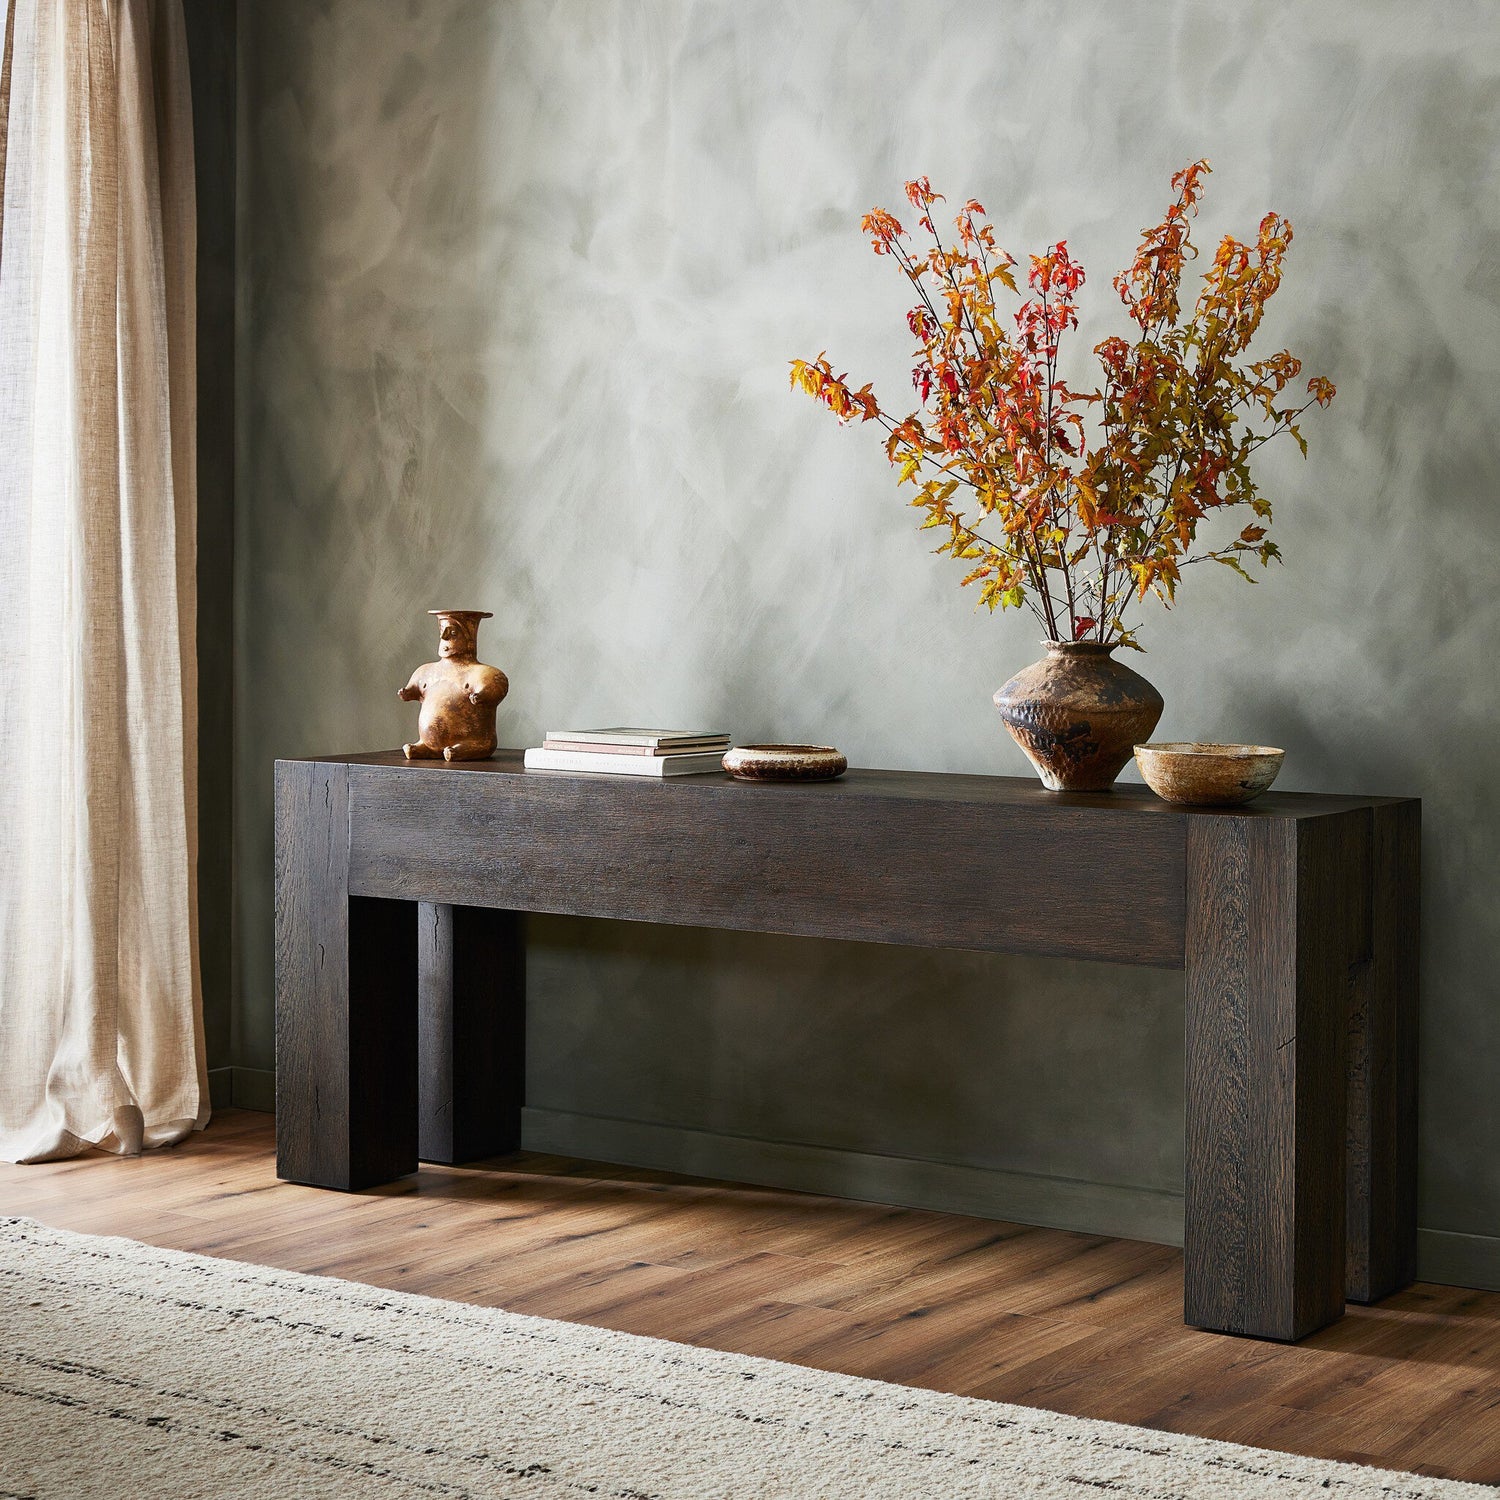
<point x="458" y="693"/>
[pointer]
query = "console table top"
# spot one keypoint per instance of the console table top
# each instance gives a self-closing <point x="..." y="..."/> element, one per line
<point x="861" y="782"/>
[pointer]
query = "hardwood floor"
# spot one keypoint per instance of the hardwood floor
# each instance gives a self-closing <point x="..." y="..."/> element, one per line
<point x="1072" y="1322"/>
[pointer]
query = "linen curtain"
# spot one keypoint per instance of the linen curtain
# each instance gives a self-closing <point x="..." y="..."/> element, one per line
<point x="101" y="1037"/>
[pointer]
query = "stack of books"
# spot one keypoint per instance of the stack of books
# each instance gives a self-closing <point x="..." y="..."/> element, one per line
<point x="631" y="752"/>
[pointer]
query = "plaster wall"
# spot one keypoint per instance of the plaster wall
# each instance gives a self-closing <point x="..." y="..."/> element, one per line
<point x="518" y="286"/>
<point x="211" y="59"/>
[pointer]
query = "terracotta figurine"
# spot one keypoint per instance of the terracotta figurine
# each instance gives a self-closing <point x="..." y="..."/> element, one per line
<point x="458" y="693"/>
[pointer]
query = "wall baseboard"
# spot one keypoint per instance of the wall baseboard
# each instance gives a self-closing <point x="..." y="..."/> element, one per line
<point x="1445" y="1256"/>
<point x="1056" y="1202"/>
<point x="1455" y="1259"/>
<point x="242" y="1088"/>
<point x="220" y="1088"/>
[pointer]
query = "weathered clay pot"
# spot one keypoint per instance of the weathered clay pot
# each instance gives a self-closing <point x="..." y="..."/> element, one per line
<point x="1078" y="714"/>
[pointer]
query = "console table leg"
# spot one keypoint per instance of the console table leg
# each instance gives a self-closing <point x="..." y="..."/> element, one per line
<point x="1275" y="914"/>
<point x="471" y="1036"/>
<point x="346" y="1106"/>
<point x="1382" y="1201"/>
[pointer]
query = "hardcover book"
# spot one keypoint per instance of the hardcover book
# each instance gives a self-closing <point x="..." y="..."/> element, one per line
<point x="649" y="739"/>
<point x="546" y="759"/>
<point x="590" y="748"/>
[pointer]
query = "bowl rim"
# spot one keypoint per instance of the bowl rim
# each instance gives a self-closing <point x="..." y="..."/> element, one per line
<point x="786" y="752"/>
<point x="1206" y="750"/>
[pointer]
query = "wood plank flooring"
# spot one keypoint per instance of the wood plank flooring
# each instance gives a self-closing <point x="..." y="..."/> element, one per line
<point x="1072" y="1322"/>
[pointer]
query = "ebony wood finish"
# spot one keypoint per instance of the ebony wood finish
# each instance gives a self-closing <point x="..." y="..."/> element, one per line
<point x="1041" y="1317"/>
<point x="1272" y="909"/>
<point x="471" y="1020"/>
<point x="346" y="1019"/>
<point x="882" y="856"/>
<point x="1382" y="1147"/>
<point x="1278" y="915"/>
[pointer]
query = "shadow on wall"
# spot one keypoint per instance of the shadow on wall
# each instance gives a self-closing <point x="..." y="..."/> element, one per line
<point x="851" y="1046"/>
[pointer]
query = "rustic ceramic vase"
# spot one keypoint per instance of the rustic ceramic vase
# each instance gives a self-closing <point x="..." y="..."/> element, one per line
<point x="1078" y="714"/>
<point x="458" y="693"/>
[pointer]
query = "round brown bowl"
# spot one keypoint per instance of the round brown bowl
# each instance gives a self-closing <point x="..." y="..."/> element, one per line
<point x="785" y="763"/>
<point x="1201" y="775"/>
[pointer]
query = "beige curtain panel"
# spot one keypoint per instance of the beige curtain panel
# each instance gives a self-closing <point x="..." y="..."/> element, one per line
<point x="101" y="1038"/>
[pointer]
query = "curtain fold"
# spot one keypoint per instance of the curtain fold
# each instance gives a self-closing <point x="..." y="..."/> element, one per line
<point x="101" y="1037"/>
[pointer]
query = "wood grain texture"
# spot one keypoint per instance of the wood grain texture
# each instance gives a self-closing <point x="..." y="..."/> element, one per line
<point x="1383" y="1043"/>
<point x="1072" y="1322"/>
<point x="1277" y="913"/>
<point x="346" y="1030"/>
<point x="894" y="857"/>
<point x="471" y="1009"/>
<point x="312" y="938"/>
<point x="918" y="786"/>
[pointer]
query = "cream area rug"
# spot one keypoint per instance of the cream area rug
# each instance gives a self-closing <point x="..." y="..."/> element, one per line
<point x="127" y="1371"/>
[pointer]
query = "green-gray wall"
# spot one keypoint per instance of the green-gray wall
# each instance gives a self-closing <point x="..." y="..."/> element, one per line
<point x="211" y="57"/>
<point x="519" y="282"/>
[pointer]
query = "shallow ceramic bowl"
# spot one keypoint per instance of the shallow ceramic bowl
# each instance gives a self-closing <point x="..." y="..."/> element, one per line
<point x="785" y="763"/>
<point x="1200" y="775"/>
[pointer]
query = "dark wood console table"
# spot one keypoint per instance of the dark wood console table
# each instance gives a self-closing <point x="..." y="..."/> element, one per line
<point x="400" y="1004"/>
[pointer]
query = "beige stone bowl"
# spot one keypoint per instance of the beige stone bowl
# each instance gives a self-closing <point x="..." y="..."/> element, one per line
<point x="785" y="763"/>
<point x="1200" y="775"/>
